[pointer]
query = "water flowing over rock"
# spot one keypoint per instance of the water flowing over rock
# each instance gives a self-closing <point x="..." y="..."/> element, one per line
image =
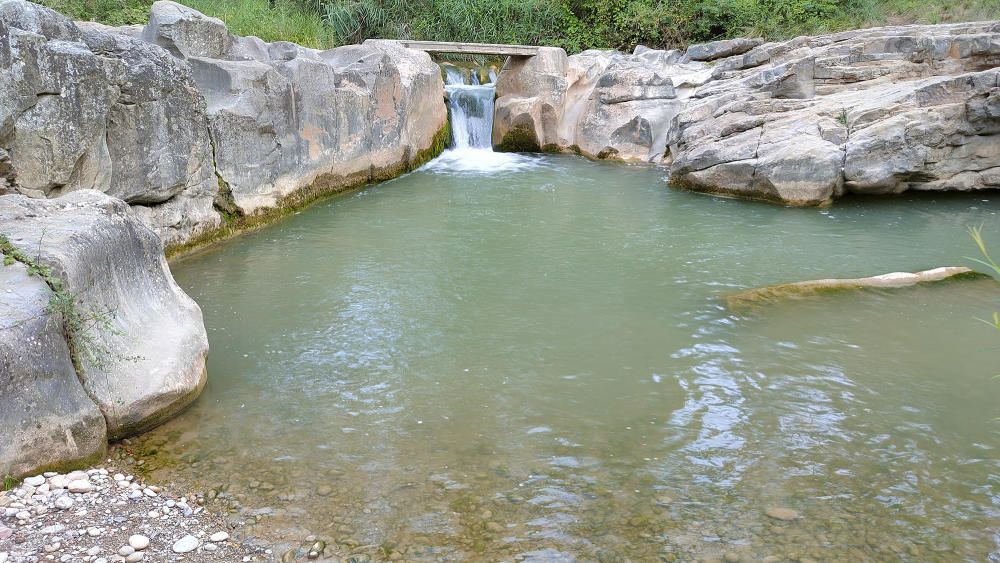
<point x="138" y="341"/>
<point x="873" y="111"/>
<point x="187" y="122"/>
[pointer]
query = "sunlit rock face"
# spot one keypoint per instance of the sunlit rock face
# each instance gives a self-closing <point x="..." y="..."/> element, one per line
<point x="99" y="342"/>
<point x="183" y="120"/>
<point x="798" y="122"/>
<point x="138" y="341"/>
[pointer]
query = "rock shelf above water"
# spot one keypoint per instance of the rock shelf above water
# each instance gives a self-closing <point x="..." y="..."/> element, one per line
<point x="194" y="126"/>
<point x="801" y="122"/>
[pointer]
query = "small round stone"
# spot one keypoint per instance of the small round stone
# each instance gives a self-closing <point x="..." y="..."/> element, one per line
<point x="782" y="513"/>
<point x="138" y="542"/>
<point x="35" y="481"/>
<point x="186" y="544"/>
<point x="219" y="537"/>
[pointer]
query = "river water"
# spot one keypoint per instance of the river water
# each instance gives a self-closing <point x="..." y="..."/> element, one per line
<point x="504" y="356"/>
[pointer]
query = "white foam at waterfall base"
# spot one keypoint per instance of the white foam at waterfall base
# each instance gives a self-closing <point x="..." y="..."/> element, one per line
<point x="480" y="161"/>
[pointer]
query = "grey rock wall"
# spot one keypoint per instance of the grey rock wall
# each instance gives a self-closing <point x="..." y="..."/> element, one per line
<point x="182" y="119"/>
<point x="802" y="122"/>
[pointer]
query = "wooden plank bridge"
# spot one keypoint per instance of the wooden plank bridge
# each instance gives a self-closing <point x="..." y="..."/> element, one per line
<point x="471" y="48"/>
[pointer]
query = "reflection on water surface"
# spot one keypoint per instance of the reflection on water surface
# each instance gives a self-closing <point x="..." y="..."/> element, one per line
<point x="535" y="362"/>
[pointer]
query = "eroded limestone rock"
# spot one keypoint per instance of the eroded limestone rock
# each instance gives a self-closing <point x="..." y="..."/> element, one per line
<point x="799" y="122"/>
<point x="183" y="120"/>
<point x="98" y="109"/>
<point x="48" y="420"/>
<point x="141" y="344"/>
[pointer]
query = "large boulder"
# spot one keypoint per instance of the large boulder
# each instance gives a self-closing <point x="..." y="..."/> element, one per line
<point x="531" y="94"/>
<point x="98" y="109"/>
<point x="48" y="420"/>
<point x="870" y="111"/>
<point x="138" y="341"/>
<point x="602" y="104"/>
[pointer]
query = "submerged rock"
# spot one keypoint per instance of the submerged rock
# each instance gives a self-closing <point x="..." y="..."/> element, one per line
<point x="778" y="292"/>
<point x="139" y="342"/>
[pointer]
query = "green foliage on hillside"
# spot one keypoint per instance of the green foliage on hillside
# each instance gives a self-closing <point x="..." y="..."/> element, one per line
<point x="572" y="24"/>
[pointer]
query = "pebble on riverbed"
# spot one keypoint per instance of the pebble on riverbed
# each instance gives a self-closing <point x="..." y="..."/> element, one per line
<point x="93" y="517"/>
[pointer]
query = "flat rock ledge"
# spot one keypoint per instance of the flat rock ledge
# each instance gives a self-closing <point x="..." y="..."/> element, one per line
<point x="104" y="515"/>
<point x="97" y="341"/>
<point x="798" y="122"/>
<point x="780" y="292"/>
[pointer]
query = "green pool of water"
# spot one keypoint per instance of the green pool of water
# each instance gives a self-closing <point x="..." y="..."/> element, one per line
<point x="536" y="361"/>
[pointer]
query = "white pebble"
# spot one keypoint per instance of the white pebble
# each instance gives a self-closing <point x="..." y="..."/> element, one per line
<point x="186" y="544"/>
<point x="64" y="502"/>
<point x="219" y="537"/>
<point x="138" y="542"/>
<point x="80" y="486"/>
<point x="35" y="481"/>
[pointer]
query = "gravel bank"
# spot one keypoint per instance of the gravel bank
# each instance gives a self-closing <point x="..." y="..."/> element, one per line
<point x="101" y="515"/>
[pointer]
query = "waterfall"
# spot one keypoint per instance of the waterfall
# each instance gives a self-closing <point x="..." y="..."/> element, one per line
<point x="471" y="112"/>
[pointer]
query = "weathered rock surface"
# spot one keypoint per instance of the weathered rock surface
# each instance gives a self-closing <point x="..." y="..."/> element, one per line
<point x="47" y="418"/>
<point x="138" y="340"/>
<point x="284" y="118"/>
<point x="183" y="120"/>
<point x="100" y="110"/>
<point x="871" y="111"/>
<point x="771" y="293"/>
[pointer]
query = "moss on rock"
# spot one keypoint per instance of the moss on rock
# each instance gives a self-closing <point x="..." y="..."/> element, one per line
<point x="234" y="222"/>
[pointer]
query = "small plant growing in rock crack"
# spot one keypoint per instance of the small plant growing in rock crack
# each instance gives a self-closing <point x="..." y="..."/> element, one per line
<point x="8" y="480"/>
<point x="83" y="327"/>
<point x="842" y="117"/>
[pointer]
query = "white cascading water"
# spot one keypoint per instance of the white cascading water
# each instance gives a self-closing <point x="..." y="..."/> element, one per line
<point x="470" y="112"/>
<point x="470" y="108"/>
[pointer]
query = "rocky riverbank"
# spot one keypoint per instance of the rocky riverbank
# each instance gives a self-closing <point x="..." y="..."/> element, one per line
<point x="200" y="131"/>
<point x="874" y="111"/>
<point x="103" y="515"/>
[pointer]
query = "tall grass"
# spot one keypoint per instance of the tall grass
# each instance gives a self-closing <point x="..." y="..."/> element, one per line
<point x="287" y="20"/>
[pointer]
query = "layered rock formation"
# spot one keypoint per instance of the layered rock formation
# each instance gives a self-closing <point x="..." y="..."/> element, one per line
<point x="800" y="122"/>
<point x="97" y="342"/>
<point x="189" y="123"/>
